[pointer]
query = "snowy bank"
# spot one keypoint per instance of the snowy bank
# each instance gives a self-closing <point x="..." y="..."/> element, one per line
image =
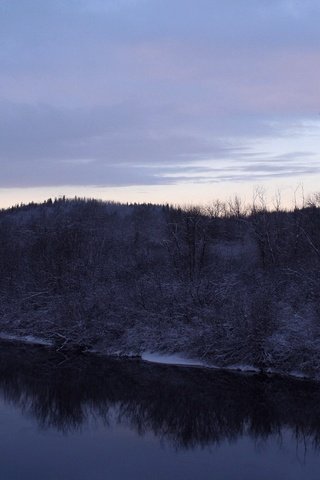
<point x="180" y="360"/>
<point x="26" y="339"/>
<point x="172" y="360"/>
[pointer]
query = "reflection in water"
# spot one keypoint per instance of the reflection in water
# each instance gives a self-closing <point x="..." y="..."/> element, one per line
<point x="187" y="407"/>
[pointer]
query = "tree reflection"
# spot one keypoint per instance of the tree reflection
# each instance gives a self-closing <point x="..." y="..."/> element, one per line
<point x="186" y="407"/>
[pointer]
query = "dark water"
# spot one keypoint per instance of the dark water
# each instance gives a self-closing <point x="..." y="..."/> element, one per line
<point x="86" y="418"/>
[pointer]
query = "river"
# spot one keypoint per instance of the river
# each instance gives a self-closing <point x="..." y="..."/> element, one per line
<point x="84" y="417"/>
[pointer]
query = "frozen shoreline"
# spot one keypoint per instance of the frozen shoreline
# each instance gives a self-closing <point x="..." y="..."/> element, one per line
<point x="181" y="361"/>
<point x="177" y="360"/>
<point x="26" y="339"/>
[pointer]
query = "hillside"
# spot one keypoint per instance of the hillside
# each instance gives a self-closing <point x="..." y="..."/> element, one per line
<point x="227" y="285"/>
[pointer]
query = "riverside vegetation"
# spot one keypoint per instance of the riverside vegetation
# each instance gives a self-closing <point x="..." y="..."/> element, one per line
<point x="227" y="284"/>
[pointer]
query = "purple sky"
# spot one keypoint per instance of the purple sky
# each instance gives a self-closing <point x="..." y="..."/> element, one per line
<point x="119" y="97"/>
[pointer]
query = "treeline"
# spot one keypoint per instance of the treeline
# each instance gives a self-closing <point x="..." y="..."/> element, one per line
<point x="227" y="283"/>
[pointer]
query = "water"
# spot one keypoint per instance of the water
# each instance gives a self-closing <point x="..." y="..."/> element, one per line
<point x="86" y="418"/>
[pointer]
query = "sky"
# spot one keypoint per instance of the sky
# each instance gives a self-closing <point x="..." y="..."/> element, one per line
<point x="180" y="101"/>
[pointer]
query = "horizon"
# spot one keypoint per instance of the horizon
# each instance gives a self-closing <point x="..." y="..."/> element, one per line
<point x="260" y="200"/>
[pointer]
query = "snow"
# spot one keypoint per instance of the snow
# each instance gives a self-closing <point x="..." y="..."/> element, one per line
<point x="297" y="374"/>
<point x="25" y="339"/>
<point x="179" y="360"/>
<point x="243" y="368"/>
<point x="171" y="360"/>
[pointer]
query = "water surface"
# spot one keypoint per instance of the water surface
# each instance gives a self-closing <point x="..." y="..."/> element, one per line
<point x="87" y="418"/>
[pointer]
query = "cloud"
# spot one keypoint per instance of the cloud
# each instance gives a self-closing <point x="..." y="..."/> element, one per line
<point x="132" y="92"/>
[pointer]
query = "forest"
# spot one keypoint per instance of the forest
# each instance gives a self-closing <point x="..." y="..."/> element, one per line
<point x="229" y="284"/>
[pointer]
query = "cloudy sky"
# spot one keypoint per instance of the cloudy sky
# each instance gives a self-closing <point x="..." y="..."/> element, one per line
<point x="155" y="100"/>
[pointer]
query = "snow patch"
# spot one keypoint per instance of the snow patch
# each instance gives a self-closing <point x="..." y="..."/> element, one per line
<point x="26" y="339"/>
<point x="182" y="361"/>
<point x="171" y="360"/>
<point x="243" y="368"/>
<point x="297" y="374"/>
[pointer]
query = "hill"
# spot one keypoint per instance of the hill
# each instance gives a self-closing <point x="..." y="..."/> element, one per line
<point x="227" y="285"/>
